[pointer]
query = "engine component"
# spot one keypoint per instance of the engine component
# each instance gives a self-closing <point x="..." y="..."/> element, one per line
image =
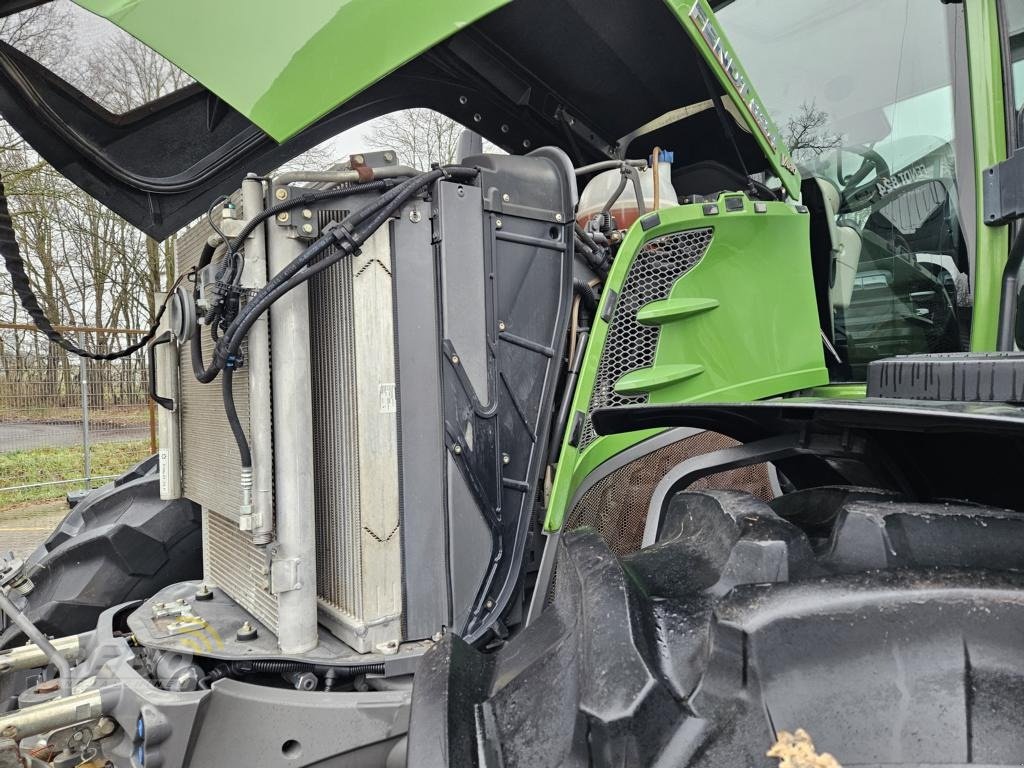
<point x="431" y="367"/>
<point x="12" y="575"/>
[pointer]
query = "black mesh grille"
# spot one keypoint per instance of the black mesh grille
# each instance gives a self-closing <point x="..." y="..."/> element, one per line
<point x="629" y="345"/>
<point x="616" y="505"/>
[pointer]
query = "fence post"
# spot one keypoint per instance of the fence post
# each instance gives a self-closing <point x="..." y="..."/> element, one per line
<point x="84" y="381"/>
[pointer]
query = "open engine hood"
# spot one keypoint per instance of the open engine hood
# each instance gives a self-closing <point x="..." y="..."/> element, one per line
<point x="274" y="80"/>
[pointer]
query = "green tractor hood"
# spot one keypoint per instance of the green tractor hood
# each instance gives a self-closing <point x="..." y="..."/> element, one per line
<point x="273" y="79"/>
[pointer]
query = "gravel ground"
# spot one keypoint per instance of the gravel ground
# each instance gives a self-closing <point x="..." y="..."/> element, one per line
<point x="25" y="526"/>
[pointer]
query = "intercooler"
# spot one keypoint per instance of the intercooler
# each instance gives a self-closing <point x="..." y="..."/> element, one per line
<point x="432" y="363"/>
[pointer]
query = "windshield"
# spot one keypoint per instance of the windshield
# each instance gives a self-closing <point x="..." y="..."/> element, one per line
<point x="863" y="91"/>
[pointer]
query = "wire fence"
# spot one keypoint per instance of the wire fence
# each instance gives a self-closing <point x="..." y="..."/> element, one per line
<point x="67" y="423"/>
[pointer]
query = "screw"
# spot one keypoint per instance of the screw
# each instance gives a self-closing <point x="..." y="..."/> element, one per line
<point x="456" y="449"/>
<point x="283" y="217"/>
<point x="455" y="359"/>
<point x="307" y="228"/>
<point x="389" y="157"/>
<point x="414" y="216"/>
<point x="558" y="217"/>
<point x="307" y="214"/>
<point x="497" y="223"/>
<point x="358" y="159"/>
<point x="505" y="458"/>
<point x="506" y="197"/>
<point x="501" y="325"/>
<point x="489" y="604"/>
<point x="281" y="193"/>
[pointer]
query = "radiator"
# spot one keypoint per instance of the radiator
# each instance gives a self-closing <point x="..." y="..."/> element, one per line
<point x="433" y="360"/>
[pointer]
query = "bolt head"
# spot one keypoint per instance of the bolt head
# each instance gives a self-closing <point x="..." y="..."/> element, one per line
<point x="307" y="228"/>
<point x="283" y="217"/>
<point x="497" y="223"/>
<point x="389" y="157"/>
<point x="415" y="216"/>
<point x="501" y="326"/>
<point x="489" y="604"/>
<point x="456" y="449"/>
<point x="358" y="159"/>
<point x="505" y="458"/>
<point x="307" y="214"/>
<point x="558" y="217"/>
<point x="506" y="197"/>
<point x="281" y="193"/>
<point x="463" y="100"/>
<point x="455" y="359"/>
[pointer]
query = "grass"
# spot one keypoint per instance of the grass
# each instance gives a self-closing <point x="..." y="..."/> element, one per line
<point x="114" y="416"/>
<point x="40" y="465"/>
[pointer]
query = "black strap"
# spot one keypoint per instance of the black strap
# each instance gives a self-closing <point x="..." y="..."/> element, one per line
<point x="15" y="265"/>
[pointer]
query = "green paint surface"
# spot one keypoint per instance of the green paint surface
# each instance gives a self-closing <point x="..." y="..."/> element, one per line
<point x="285" y="65"/>
<point x="757" y="336"/>
<point x="984" y="61"/>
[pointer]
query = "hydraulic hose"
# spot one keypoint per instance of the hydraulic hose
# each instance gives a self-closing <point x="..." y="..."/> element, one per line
<point x="585" y="291"/>
<point x="346" y="238"/>
<point x="232" y="415"/>
<point x="15" y="265"/>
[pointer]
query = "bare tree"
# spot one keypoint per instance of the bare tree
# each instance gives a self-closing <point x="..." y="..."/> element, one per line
<point x="419" y="136"/>
<point x="808" y="135"/>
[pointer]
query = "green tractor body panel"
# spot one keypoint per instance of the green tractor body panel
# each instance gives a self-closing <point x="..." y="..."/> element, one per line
<point x="311" y="58"/>
<point x="989" y="125"/>
<point x="709" y="38"/>
<point x="720" y="297"/>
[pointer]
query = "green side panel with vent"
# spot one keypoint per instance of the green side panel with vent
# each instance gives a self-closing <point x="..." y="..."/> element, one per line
<point x="704" y="307"/>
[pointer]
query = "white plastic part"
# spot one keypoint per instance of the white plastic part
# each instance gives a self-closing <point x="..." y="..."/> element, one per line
<point x="625" y="210"/>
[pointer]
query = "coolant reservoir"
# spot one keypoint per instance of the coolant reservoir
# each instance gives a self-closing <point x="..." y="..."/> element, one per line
<point x="625" y="209"/>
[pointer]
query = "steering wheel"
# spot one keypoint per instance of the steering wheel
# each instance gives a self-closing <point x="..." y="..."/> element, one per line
<point x="853" y="188"/>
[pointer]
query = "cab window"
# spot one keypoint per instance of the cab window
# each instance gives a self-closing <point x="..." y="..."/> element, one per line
<point x="863" y="91"/>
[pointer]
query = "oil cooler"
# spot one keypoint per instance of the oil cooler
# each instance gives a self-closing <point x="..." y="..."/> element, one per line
<point x="432" y="359"/>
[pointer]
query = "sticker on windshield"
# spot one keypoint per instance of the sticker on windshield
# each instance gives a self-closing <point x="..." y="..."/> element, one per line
<point x="889" y="184"/>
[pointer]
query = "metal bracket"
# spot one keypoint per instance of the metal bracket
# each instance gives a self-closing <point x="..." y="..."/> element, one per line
<point x="1003" y="191"/>
<point x="284" y="575"/>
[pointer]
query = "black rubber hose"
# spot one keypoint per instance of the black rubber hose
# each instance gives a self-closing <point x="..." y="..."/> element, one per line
<point x="206" y="256"/>
<point x="203" y="374"/>
<point x="232" y="414"/>
<point x="346" y="238"/>
<point x="305" y="199"/>
<point x="585" y="291"/>
<point x="615" y="195"/>
<point x="15" y="265"/>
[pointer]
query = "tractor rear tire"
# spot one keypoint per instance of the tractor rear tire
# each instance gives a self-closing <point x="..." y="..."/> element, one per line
<point x="119" y="543"/>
